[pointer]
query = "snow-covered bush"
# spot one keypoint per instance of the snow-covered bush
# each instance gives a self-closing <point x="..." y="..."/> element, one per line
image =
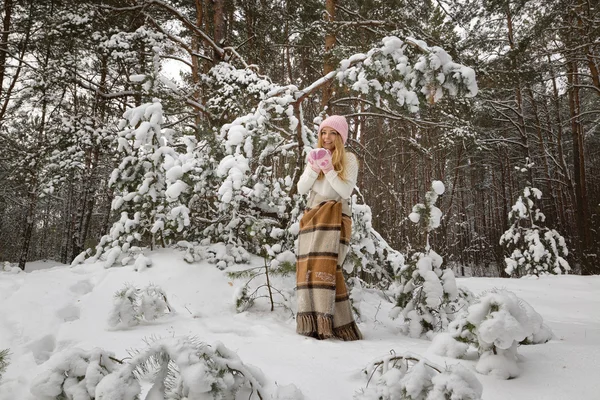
<point x="221" y="254"/>
<point x="12" y="268"/>
<point x="4" y="361"/>
<point x="410" y="377"/>
<point x="494" y="325"/>
<point x="132" y="305"/>
<point x="258" y="283"/>
<point x="185" y="368"/>
<point x="73" y="374"/>
<point x="426" y="294"/>
<point x="162" y="185"/>
<point x="533" y="248"/>
<point x="369" y="256"/>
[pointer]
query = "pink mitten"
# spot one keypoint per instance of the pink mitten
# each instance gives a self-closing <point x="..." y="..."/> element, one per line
<point x="325" y="163"/>
<point x="315" y="156"/>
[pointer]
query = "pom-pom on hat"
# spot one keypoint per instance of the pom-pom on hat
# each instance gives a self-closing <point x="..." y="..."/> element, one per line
<point x="338" y="123"/>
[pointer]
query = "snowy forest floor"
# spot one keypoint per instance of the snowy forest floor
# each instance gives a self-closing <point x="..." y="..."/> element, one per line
<point x="51" y="309"/>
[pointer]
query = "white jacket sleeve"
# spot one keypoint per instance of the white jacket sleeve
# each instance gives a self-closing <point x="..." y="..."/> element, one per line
<point x="344" y="187"/>
<point x="307" y="179"/>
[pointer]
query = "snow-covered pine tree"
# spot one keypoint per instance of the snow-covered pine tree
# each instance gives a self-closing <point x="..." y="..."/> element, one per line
<point x="74" y="374"/>
<point x="162" y="185"/>
<point x="370" y="259"/>
<point x="426" y="294"/>
<point x="257" y="282"/>
<point x="186" y="368"/>
<point x="124" y="312"/>
<point x="412" y="377"/>
<point x="4" y="361"/>
<point x="533" y="249"/>
<point x="132" y="305"/>
<point x="139" y="181"/>
<point x="494" y="325"/>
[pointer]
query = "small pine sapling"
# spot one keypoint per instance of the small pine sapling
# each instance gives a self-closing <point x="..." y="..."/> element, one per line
<point x="132" y="305"/>
<point x="74" y="374"/>
<point x="412" y="377"/>
<point x="494" y="325"/>
<point x="426" y="294"/>
<point x="153" y="303"/>
<point x="370" y="257"/>
<point x="533" y="248"/>
<point x="186" y="368"/>
<point x="4" y="361"/>
<point x="124" y="312"/>
<point x="246" y="295"/>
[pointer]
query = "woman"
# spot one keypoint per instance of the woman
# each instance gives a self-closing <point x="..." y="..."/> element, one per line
<point x="324" y="309"/>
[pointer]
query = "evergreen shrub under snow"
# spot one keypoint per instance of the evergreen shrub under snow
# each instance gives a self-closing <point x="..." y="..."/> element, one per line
<point x="221" y="254"/>
<point x="257" y="282"/>
<point x="426" y="294"/>
<point x="132" y="305"/>
<point x="186" y="368"/>
<point x="4" y="361"/>
<point x="533" y="248"/>
<point x="73" y="374"/>
<point x="410" y="377"/>
<point x="178" y="368"/>
<point x="370" y="257"/>
<point x="494" y="325"/>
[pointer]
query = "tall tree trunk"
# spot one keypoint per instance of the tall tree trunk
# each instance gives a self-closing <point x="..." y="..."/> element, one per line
<point x="559" y="141"/>
<point x="522" y="128"/>
<point x="23" y="45"/>
<point x="65" y="255"/>
<point x="578" y="165"/>
<point x="33" y="186"/>
<point x="196" y="42"/>
<point x="587" y="24"/>
<point x="330" y="39"/>
<point x="90" y="201"/>
<point x="29" y="221"/>
<point x="549" y="191"/>
<point x="6" y="20"/>
<point x="219" y="26"/>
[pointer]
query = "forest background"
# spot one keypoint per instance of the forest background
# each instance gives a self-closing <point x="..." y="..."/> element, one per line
<point x="69" y="70"/>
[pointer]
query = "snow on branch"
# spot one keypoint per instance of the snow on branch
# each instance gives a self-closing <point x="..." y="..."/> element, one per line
<point x="386" y="71"/>
<point x="185" y="367"/>
<point x="74" y="374"/>
<point x="495" y="325"/>
<point x="410" y="376"/>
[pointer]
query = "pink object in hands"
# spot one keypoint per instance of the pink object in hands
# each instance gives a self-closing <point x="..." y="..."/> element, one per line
<point x="319" y="153"/>
<point x="313" y="164"/>
<point x="315" y="156"/>
<point x="325" y="163"/>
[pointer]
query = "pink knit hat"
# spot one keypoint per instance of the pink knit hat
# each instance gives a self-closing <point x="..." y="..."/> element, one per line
<point x="338" y="123"/>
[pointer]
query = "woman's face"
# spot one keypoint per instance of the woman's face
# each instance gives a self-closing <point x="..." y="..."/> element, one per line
<point x="328" y="138"/>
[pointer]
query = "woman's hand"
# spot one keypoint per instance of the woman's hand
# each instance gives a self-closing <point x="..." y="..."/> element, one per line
<point x="325" y="162"/>
<point x="317" y="156"/>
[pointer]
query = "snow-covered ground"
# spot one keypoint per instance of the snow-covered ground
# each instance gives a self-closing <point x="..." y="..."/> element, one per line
<point x="48" y="310"/>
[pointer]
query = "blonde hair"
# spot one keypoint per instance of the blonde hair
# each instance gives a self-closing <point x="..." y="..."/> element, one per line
<point x="338" y="157"/>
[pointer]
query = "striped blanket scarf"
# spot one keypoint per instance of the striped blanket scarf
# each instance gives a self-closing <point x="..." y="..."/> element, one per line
<point x="324" y="309"/>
